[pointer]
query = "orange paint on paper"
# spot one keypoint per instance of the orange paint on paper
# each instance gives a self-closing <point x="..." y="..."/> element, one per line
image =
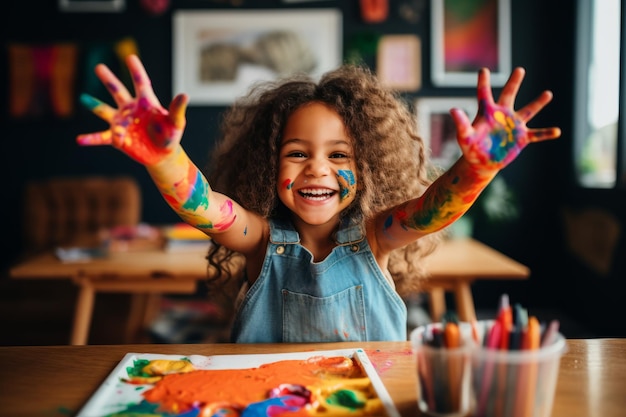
<point x="235" y="389"/>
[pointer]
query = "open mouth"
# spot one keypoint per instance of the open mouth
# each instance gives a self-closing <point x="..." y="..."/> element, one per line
<point x="316" y="194"/>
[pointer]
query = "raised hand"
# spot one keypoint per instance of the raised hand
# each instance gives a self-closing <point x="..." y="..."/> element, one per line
<point x="499" y="133"/>
<point x="140" y="126"/>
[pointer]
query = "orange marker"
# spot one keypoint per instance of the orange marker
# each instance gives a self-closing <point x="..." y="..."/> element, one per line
<point x="532" y="337"/>
<point x="452" y="336"/>
<point x="527" y="382"/>
<point x="452" y="340"/>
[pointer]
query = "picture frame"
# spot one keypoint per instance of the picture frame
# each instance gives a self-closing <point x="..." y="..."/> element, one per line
<point x="219" y="55"/>
<point x="92" y="6"/>
<point x="398" y="62"/>
<point x="437" y="127"/>
<point x="467" y="36"/>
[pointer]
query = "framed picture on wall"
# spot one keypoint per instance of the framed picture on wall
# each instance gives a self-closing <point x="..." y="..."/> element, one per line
<point x="437" y="127"/>
<point x="398" y="62"/>
<point x="467" y="36"/>
<point x="219" y="55"/>
<point x="92" y="6"/>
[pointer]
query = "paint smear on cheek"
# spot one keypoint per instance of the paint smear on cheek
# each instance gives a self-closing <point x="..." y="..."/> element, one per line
<point x="347" y="183"/>
<point x="287" y="184"/>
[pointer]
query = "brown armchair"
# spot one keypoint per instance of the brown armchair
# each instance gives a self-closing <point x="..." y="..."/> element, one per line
<point x="72" y="210"/>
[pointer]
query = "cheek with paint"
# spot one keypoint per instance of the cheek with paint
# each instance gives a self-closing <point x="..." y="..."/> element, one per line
<point x="347" y="183"/>
<point x="287" y="184"/>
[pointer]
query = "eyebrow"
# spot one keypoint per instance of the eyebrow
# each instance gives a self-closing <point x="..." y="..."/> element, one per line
<point x="299" y="141"/>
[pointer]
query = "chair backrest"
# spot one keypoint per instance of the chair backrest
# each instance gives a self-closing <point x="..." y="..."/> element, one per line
<point x="61" y="211"/>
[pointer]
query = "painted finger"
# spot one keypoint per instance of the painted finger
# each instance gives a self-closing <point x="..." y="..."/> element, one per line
<point x="538" y="135"/>
<point x="483" y="89"/>
<point x="141" y="81"/>
<point x="95" y="139"/>
<point x="463" y="125"/>
<point x="99" y="108"/>
<point x="117" y="89"/>
<point x="510" y="89"/>
<point x="178" y="106"/>
<point x="531" y="109"/>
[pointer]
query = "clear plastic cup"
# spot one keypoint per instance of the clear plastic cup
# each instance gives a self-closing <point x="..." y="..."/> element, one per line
<point x="443" y="374"/>
<point x="515" y="383"/>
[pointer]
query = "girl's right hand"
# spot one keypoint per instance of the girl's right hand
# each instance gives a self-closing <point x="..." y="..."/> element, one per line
<point x="140" y="126"/>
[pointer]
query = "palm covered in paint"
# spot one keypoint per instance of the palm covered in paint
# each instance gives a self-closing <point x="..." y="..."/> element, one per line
<point x="140" y="126"/>
<point x="499" y="133"/>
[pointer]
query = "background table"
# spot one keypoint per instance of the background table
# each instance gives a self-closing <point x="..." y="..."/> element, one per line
<point x="454" y="266"/>
<point x="58" y="380"/>
<point x="140" y="273"/>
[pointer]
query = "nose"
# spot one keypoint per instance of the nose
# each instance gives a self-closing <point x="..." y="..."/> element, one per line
<point x="318" y="167"/>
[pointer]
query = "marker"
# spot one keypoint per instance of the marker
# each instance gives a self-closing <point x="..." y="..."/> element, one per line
<point x="493" y="342"/>
<point x="550" y="333"/>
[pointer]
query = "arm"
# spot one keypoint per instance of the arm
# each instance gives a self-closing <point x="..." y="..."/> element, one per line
<point x="151" y="135"/>
<point x="491" y="142"/>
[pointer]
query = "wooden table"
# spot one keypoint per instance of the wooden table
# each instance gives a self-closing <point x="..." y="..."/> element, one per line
<point x="58" y="380"/>
<point x="141" y="273"/>
<point x="452" y="267"/>
<point x="456" y="264"/>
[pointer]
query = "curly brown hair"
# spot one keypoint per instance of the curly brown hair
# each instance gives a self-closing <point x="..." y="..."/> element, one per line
<point x="391" y="160"/>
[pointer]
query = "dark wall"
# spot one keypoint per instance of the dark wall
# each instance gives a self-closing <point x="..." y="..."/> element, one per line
<point x="543" y="42"/>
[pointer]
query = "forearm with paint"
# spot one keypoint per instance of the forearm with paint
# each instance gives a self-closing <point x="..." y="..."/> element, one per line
<point x="188" y="192"/>
<point x="447" y="199"/>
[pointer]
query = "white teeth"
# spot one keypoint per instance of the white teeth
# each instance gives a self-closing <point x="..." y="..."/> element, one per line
<point x="316" y="194"/>
<point x="315" y="191"/>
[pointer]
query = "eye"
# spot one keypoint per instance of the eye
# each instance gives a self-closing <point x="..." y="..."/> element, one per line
<point x="335" y="155"/>
<point x="295" y="154"/>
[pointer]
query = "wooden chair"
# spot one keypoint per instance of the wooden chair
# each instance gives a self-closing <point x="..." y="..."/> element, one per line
<point x="72" y="210"/>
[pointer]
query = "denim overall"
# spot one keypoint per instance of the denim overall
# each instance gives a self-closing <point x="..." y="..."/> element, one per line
<point x="345" y="297"/>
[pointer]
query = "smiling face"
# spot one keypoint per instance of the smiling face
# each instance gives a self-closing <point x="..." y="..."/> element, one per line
<point x="317" y="170"/>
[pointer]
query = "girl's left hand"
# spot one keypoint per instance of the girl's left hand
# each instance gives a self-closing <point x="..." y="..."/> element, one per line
<point x="499" y="133"/>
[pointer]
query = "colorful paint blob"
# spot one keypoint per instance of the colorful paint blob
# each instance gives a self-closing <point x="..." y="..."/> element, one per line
<point x="312" y="386"/>
<point x="347" y="183"/>
<point x="287" y="184"/>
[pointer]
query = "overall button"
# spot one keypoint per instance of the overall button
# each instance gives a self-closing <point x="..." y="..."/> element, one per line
<point x="354" y="248"/>
<point x="280" y="250"/>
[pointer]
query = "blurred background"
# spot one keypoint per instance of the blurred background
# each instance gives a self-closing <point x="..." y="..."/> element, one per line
<point x="560" y="208"/>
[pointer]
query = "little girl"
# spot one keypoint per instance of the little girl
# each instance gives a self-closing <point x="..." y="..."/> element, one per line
<point x="317" y="186"/>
